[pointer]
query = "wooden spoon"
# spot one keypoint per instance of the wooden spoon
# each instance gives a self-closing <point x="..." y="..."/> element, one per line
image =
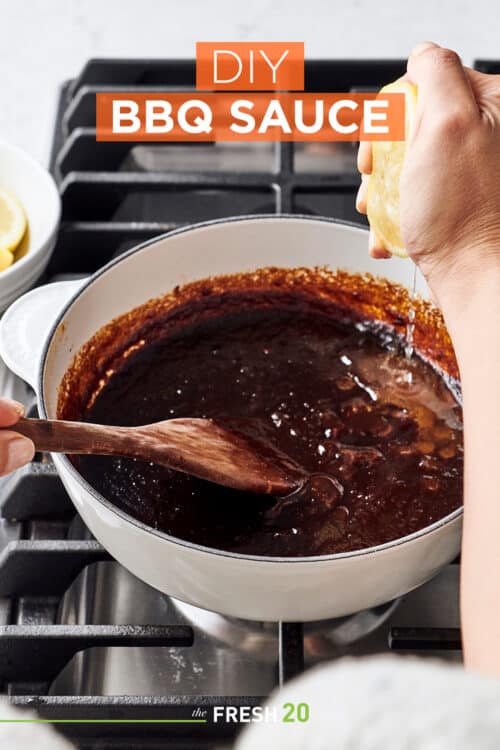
<point x="201" y="447"/>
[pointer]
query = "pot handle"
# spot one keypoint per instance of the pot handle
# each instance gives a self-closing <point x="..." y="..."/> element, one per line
<point x="26" y="324"/>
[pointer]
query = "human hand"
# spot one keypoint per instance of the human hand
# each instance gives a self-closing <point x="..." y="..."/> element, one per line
<point x="450" y="185"/>
<point x="15" y="450"/>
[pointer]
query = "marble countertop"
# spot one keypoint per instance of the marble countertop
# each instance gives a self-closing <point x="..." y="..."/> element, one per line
<point x="44" y="42"/>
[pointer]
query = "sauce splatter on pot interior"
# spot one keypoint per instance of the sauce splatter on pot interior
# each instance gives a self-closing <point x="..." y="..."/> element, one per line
<point x="306" y="368"/>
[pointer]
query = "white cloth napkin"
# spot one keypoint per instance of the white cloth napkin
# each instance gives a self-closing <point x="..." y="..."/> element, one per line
<point x="27" y="736"/>
<point x="383" y="703"/>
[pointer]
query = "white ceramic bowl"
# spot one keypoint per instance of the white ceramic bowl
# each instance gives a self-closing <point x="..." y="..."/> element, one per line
<point x="37" y="191"/>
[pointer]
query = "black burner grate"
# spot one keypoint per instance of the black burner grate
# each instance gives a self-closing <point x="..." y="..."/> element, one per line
<point x="114" y="196"/>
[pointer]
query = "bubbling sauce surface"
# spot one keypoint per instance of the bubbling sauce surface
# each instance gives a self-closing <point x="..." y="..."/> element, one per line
<point x="380" y="434"/>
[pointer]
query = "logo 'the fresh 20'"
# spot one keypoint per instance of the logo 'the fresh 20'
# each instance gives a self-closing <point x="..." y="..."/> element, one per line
<point x="290" y="713"/>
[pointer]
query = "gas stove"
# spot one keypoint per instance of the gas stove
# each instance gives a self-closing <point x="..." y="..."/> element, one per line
<point x="80" y="637"/>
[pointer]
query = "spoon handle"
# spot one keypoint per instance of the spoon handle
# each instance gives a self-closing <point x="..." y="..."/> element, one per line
<point x="61" y="436"/>
<point x="193" y="446"/>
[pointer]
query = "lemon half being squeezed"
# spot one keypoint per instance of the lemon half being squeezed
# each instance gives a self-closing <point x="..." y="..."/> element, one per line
<point x="383" y="186"/>
<point x="12" y="227"/>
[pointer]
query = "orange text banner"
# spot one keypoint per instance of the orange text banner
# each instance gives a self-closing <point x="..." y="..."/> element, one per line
<point x="243" y="66"/>
<point x="249" y="117"/>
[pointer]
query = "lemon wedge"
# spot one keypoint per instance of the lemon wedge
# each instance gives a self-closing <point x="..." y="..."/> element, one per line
<point x="383" y="186"/>
<point x="12" y="226"/>
<point x="6" y="258"/>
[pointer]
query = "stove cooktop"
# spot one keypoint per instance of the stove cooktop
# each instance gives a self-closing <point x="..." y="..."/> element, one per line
<point x="80" y="638"/>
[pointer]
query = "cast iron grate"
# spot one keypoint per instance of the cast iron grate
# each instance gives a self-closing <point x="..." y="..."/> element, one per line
<point x="104" y="189"/>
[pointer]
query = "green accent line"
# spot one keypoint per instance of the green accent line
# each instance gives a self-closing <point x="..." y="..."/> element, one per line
<point x="103" y="721"/>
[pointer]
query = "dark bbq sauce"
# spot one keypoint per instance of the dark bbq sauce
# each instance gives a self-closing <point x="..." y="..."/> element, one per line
<point x="380" y="434"/>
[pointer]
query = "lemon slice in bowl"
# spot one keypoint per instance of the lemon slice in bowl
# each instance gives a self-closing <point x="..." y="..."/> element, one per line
<point x="383" y="186"/>
<point x="6" y="258"/>
<point x="12" y="226"/>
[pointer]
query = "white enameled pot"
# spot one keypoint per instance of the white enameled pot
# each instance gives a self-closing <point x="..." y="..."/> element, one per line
<point x="42" y="331"/>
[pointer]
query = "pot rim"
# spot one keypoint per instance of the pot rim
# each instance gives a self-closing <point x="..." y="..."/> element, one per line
<point x="69" y="467"/>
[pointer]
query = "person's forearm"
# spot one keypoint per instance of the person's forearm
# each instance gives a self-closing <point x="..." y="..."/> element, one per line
<point x="472" y="315"/>
<point x="449" y="222"/>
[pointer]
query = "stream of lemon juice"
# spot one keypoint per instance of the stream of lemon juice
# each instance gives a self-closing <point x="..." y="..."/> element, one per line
<point x="410" y="325"/>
